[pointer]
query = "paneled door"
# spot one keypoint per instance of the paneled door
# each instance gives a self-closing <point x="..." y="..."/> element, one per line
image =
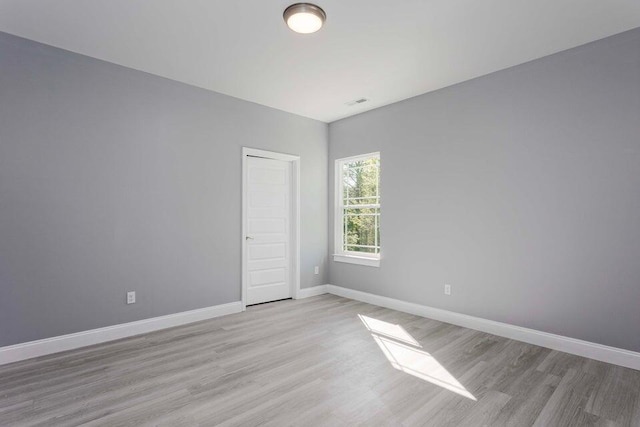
<point x="268" y="230"/>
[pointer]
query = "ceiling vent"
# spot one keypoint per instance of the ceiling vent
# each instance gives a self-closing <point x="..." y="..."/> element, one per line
<point x="357" y="101"/>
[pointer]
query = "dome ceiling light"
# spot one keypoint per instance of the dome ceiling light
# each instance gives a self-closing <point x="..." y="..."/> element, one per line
<point x="304" y="18"/>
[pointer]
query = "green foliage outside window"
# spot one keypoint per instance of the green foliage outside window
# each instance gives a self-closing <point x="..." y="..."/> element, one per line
<point x="361" y="203"/>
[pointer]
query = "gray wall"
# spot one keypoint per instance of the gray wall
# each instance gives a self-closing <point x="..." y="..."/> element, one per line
<point x="521" y="189"/>
<point x="113" y="180"/>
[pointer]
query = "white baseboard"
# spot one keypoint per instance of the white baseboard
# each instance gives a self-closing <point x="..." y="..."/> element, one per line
<point x="616" y="356"/>
<point x="28" y="350"/>
<point x="312" y="291"/>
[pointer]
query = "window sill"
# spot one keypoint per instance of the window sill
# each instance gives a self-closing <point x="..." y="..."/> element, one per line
<point x="360" y="260"/>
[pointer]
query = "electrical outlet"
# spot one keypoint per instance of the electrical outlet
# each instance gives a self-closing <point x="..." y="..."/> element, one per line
<point x="131" y="297"/>
<point x="447" y="289"/>
<point x="316" y="270"/>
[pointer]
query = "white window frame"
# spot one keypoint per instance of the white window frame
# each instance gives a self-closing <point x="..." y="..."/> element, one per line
<point x="340" y="255"/>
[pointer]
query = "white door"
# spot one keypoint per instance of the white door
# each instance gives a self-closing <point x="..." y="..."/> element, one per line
<point x="268" y="227"/>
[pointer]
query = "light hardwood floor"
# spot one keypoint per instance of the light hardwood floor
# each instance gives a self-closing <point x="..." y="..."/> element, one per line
<point x="320" y="361"/>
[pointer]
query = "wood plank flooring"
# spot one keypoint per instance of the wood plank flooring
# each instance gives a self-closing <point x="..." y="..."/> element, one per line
<point x="322" y="361"/>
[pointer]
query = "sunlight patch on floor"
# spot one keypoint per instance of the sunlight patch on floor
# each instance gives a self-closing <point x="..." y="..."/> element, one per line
<point x="390" y="330"/>
<point x="404" y="354"/>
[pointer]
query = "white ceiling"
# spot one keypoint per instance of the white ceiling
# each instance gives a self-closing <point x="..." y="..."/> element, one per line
<point x="385" y="51"/>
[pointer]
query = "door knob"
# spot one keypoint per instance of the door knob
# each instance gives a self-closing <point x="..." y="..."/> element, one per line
<point x="248" y="238"/>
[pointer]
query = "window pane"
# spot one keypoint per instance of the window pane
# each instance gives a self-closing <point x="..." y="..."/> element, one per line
<point x="361" y="229"/>
<point x="356" y="211"/>
<point x="360" y="182"/>
<point x="366" y="250"/>
<point x="360" y="205"/>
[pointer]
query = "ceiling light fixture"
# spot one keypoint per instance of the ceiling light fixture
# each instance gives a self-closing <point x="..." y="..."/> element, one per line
<point x="304" y="18"/>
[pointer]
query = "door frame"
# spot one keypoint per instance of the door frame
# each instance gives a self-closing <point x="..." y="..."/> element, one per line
<point x="295" y="218"/>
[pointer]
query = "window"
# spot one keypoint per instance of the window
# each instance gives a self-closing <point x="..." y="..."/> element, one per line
<point x="357" y="221"/>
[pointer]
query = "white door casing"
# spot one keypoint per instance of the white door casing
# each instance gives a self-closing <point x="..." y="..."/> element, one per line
<point x="270" y="268"/>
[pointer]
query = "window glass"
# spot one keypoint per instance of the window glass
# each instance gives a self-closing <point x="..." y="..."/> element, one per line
<point x="360" y="205"/>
